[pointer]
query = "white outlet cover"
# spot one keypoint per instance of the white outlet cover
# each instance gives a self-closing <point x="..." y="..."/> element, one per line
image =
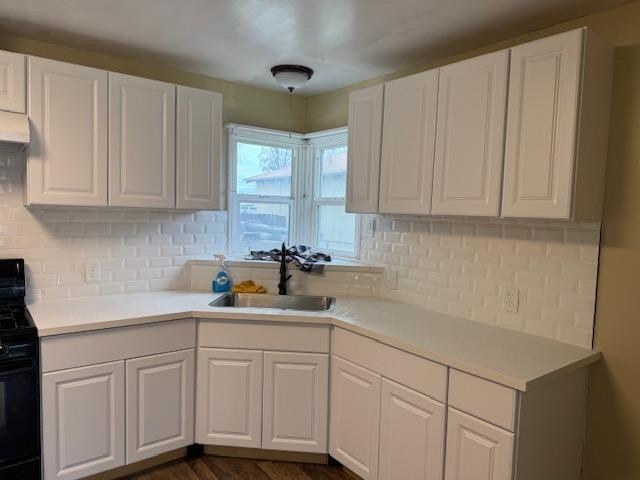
<point x="511" y="299"/>
<point x="92" y="273"/>
<point x="368" y="227"/>
<point x="391" y="279"/>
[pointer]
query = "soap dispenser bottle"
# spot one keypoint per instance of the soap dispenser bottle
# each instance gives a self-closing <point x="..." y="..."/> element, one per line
<point x="222" y="282"/>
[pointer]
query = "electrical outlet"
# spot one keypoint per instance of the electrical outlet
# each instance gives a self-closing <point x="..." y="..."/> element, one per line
<point x="92" y="273"/>
<point x="391" y="279"/>
<point x="511" y="299"/>
<point x="368" y="227"/>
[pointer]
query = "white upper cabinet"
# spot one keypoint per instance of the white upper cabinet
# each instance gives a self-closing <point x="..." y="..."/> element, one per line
<point x="142" y="157"/>
<point x="67" y="162"/>
<point x="295" y="405"/>
<point x="160" y="404"/>
<point x="13" y="82"/>
<point x="363" y="166"/>
<point x="470" y="136"/>
<point x="412" y="433"/>
<point x="199" y="149"/>
<point x="407" y="144"/>
<point x="557" y="126"/>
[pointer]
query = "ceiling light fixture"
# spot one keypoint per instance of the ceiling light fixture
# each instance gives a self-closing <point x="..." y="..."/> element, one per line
<point x="291" y="77"/>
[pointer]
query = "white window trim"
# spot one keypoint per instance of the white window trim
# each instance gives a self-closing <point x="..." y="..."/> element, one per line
<point x="305" y="195"/>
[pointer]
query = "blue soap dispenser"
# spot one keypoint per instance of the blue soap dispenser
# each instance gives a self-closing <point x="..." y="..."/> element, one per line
<point x="222" y="282"/>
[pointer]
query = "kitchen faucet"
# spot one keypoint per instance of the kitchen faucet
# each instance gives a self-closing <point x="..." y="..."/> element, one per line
<point x="282" y="286"/>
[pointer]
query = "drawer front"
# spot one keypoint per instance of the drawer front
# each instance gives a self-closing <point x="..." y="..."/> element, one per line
<point x="88" y="348"/>
<point x="483" y="399"/>
<point x="264" y="336"/>
<point x="405" y="368"/>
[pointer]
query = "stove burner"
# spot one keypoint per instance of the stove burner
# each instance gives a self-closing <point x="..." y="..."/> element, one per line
<point x="13" y="317"/>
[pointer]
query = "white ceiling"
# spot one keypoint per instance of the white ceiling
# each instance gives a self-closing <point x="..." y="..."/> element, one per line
<point x="344" y="41"/>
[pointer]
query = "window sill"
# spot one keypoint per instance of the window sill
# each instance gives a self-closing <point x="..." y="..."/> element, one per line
<point x="342" y="265"/>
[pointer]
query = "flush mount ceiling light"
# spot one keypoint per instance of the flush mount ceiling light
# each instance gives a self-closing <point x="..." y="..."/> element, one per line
<point x="291" y="77"/>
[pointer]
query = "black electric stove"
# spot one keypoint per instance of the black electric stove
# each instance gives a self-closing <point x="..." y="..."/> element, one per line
<point x="19" y="379"/>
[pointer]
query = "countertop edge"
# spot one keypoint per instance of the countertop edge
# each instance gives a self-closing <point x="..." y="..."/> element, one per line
<point x="329" y="319"/>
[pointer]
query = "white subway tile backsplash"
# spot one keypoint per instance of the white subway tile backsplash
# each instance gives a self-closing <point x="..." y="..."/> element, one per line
<point x="138" y="250"/>
<point x="459" y="266"/>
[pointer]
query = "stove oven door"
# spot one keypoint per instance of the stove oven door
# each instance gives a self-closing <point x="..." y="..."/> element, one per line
<point x="19" y="410"/>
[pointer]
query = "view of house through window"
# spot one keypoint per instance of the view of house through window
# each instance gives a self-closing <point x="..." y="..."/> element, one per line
<point x="289" y="189"/>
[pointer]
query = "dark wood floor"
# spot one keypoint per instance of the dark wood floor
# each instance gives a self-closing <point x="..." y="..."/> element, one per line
<point x="225" y="468"/>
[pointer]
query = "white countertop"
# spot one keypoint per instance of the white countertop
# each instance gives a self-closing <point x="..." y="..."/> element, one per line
<point x="510" y="358"/>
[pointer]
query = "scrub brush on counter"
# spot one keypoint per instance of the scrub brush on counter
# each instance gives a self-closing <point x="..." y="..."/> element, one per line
<point x="248" y="286"/>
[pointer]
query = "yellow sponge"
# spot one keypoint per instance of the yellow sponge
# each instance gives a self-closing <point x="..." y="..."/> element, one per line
<point x="248" y="286"/>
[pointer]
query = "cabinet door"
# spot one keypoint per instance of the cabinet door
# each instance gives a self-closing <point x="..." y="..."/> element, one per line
<point x="296" y="397"/>
<point x="544" y="92"/>
<point x="13" y="82"/>
<point x="363" y="164"/>
<point x="355" y="417"/>
<point x="68" y="151"/>
<point x="477" y="450"/>
<point x="408" y="138"/>
<point x="412" y="434"/>
<point x="159" y="403"/>
<point x="229" y="397"/>
<point x="141" y="142"/>
<point x="199" y="149"/>
<point x="83" y="421"/>
<point x="472" y="100"/>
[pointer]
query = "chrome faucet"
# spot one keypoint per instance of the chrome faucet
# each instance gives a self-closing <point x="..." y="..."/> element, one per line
<point x="282" y="286"/>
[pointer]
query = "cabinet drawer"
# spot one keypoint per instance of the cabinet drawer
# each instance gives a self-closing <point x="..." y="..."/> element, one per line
<point x="89" y="348"/>
<point x="410" y="370"/>
<point x="264" y="336"/>
<point x="483" y="399"/>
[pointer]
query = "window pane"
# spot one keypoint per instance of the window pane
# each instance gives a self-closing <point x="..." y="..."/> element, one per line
<point x="262" y="226"/>
<point x="333" y="172"/>
<point x="336" y="229"/>
<point x="263" y="170"/>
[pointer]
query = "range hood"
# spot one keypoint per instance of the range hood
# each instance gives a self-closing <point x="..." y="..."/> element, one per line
<point x="14" y="132"/>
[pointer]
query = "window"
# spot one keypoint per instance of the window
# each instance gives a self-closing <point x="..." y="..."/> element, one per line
<point x="289" y="188"/>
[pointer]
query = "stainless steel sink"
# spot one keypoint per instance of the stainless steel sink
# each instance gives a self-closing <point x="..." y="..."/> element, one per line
<point x="283" y="302"/>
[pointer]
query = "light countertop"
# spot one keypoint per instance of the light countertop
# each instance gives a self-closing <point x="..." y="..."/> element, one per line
<point x="511" y="358"/>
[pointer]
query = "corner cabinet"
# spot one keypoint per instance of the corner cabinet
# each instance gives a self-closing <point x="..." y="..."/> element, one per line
<point x="67" y="163"/>
<point x="142" y="134"/>
<point x="13" y="97"/>
<point x="557" y="127"/>
<point x="472" y="99"/>
<point x="199" y="177"/>
<point x="407" y="146"/>
<point x="365" y="134"/>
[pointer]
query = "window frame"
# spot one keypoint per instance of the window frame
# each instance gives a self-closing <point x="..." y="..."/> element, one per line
<point x="305" y="183"/>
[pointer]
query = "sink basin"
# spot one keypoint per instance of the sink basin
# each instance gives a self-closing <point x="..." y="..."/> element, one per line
<point x="283" y="302"/>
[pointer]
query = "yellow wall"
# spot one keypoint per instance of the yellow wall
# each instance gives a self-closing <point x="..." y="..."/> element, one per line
<point x="612" y="449"/>
<point x="242" y="103"/>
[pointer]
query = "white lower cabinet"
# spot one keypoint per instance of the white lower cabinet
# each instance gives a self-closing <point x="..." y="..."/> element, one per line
<point x="477" y="450"/>
<point x="83" y="420"/>
<point x="412" y="429"/>
<point x="229" y="397"/>
<point x="355" y="417"/>
<point x="296" y="386"/>
<point x="160" y="390"/>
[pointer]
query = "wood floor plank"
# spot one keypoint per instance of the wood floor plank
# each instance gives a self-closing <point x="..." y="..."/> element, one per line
<point x="283" y="471"/>
<point x="227" y="468"/>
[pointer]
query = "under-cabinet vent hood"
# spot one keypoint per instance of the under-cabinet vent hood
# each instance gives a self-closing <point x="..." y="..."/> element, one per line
<point x="14" y="132"/>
